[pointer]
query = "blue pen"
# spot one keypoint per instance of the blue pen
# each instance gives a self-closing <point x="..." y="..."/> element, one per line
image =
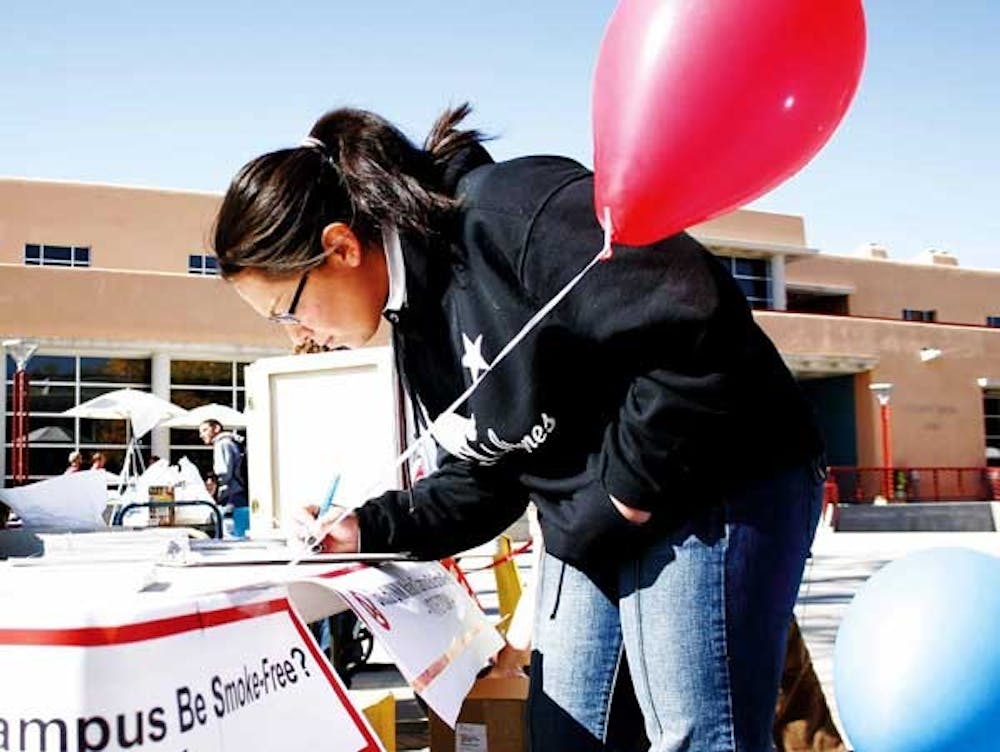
<point x="331" y="493"/>
<point x="312" y="542"/>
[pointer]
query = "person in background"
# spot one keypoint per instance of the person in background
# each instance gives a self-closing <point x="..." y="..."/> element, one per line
<point x="613" y="414"/>
<point x="227" y="459"/>
<point x="98" y="461"/>
<point x="75" y="462"/>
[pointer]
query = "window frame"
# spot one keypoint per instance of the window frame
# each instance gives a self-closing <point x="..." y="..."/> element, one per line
<point x="45" y="254"/>
<point x="732" y="264"/>
<point x="79" y="384"/>
<point x="991" y="400"/>
<point x="920" y="315"/>
<point x="203" y="265"/>
<point x="194" y="449"/>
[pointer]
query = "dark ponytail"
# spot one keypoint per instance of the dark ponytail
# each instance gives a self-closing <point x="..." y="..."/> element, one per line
<point x="356" y="168"/>
<point x="446" y="141"/>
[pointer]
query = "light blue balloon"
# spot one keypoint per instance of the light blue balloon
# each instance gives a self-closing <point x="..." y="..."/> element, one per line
<point x="917" y="657"/>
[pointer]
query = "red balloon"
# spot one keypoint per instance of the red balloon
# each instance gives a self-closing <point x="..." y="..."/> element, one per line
<point x="701" y="105"/>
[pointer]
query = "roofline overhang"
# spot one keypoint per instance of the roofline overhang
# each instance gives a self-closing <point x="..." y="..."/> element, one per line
<point x="823" y="365"/>
<point x="756" y="248"/>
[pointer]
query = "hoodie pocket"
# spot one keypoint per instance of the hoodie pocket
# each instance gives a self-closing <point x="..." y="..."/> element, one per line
<point x="586" y="528"/>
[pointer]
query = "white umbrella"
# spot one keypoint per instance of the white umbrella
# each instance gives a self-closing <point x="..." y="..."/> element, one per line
<point x="50" y="434"/>
<point x="194" y="417"/>
<point x="143" y="410"/>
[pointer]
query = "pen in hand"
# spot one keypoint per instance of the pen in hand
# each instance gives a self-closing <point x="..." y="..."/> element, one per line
<point x="312" y="540"/>
<point x="331" y="494"/>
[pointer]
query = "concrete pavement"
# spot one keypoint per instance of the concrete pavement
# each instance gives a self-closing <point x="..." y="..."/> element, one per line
<point x="840" y="564"/>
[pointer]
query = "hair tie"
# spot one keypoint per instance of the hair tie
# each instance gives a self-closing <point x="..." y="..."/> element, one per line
<point x="311" y="142"/>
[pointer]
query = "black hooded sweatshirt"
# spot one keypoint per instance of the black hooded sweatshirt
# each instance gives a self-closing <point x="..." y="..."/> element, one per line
<point x="650" y="381"/>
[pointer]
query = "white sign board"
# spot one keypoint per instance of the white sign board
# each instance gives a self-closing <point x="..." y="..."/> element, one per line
<point x="97" y="657"/>
<point x="312" y="418"/>
<point x="226" y="673"/>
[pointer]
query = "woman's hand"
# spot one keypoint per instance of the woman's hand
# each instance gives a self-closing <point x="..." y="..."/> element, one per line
<point x="336" y="532"/>
<point x="509" y="663"/>
<point x="635" y="516"/>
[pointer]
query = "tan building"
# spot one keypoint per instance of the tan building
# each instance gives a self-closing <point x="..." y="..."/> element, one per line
<point x="116" y="287"/>
<point x="111" y="284"/>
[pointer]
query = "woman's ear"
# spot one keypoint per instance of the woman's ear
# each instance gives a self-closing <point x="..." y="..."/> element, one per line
<point x="341" y="246"/>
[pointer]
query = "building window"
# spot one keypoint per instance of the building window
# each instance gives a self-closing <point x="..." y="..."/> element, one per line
<point x="58" y="383"/>
<point x="993" y="321"/>
<point x="194" y="383"/>
<point x="754" y="278"/>
<point x="56" y="255"/>
<point x="203" y="265"/>
<point x="823" y="304"/>
<point x="916" y="314"/>
<point x="991" y="411"/>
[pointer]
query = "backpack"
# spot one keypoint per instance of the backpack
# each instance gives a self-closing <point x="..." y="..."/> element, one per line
<point x="241" y="474"/>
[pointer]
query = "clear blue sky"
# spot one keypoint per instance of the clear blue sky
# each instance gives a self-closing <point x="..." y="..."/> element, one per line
<point x="179" y="94"/>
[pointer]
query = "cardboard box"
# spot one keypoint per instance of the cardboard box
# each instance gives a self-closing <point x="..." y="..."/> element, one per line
<point x="493" y="719"/>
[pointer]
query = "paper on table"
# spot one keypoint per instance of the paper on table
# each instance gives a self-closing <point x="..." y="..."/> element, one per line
<point x="68" y="502"/>
<point x="208" y="553"/>
<point x="111" y="545"/>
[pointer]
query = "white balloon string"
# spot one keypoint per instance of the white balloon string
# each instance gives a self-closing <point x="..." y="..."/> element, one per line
<point x="525" y="330"/>
<point x="507" y="349"/>
<point x="607" y="251"/>
<point x="602" y="255"/>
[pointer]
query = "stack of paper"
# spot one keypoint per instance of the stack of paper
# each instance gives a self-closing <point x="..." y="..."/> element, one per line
<point x="152" y="545"/>
<point x="69" y="502"/>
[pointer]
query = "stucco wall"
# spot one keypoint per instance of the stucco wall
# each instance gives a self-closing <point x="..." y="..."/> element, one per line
<point x="82" y="304"/>
<point x="937" y="406"/>
<point x="125" y="228"/>
<point x="754" y="227"/>
<point x="883" y="288"/>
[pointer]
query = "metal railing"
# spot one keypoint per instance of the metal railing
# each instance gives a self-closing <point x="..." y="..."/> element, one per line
<point x="912" y="484"/>
<point x="171" y="507"/>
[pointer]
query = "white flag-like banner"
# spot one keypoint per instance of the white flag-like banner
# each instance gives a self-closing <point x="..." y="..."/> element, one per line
<point x="433" y="629"/>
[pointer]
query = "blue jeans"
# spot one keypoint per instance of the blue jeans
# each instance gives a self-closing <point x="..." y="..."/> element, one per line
<point x="701" y="616"/>
<point x="241" y="522"/>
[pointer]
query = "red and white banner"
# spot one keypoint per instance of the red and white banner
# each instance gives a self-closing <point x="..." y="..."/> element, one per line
<point x="231" y="672"/>
<point x="108" y="658"/>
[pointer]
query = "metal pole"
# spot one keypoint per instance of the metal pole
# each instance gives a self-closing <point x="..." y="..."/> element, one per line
<point x="21" y="351"/>
<point x="882" y="392"/>
<point x="19" y="439"/>
<point x="885" y="413"/>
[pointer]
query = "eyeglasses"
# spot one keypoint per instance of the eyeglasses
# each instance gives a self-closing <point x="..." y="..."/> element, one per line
<point x="289" y="317"/>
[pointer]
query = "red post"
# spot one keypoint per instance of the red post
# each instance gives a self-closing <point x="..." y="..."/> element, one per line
<point x="888" y="489"/>
<point x="19" y="438"/>
<point x="993" y="473"/>
<point x="20" y="352"/>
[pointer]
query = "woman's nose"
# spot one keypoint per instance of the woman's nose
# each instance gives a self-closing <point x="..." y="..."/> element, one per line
<point x="299" y="334"/>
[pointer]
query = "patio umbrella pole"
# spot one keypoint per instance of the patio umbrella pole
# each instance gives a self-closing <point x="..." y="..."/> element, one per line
<point x="133" y="461"/>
